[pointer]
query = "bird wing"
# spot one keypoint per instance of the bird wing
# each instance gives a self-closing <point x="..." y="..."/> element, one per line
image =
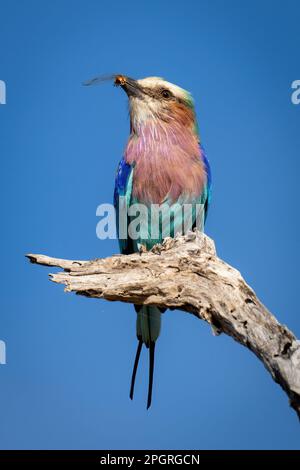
<point x="206" y="196"/>
<point x="122" y="200"/>
<point x="193" y="218"/>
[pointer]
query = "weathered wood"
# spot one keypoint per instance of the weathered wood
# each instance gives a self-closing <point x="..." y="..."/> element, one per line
<point x="185" y="273"/>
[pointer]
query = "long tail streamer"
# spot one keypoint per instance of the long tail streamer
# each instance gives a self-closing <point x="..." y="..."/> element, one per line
<point x="151" y="370"/>
<point x="136" y="363"/>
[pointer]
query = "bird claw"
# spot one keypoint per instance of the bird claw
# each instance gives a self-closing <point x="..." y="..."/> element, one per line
<point x="142" y="248"/>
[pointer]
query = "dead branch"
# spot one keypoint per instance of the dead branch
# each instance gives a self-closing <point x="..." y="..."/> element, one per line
<point x="185" y="273"/>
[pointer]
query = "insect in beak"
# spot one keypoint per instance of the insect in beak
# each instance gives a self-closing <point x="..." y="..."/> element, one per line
<point x="120" y="80"/>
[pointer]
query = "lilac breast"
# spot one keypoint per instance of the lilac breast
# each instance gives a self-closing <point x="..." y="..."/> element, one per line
<point x="167" y="163"/>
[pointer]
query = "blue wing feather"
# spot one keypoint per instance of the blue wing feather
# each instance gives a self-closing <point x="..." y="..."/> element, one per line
<point x="122" y="175"/>
<point x="209" y="179"/>
<point x="123" y="188"/>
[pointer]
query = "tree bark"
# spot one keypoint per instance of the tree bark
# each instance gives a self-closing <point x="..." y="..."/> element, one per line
<point x="185" y="273"/>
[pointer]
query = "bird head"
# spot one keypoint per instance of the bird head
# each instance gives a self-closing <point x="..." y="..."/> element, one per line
<point x="153" y="98"/>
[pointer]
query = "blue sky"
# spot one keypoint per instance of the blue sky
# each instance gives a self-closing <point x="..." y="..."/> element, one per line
<point x="69" y="359"/>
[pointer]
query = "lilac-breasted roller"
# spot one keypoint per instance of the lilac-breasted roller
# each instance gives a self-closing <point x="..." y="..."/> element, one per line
<point x="163" y="164"/>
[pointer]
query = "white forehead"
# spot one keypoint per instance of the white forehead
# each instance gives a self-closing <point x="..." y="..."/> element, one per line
<point x="155" y="82"/>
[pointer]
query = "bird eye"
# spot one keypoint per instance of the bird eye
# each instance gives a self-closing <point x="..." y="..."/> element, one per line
<point x="166" y="94"/>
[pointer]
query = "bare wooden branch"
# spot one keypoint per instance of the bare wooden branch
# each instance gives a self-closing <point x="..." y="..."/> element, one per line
<point x="185" y="273"/>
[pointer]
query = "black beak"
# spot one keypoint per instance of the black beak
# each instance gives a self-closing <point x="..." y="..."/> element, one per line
<point x="129" y="85"/>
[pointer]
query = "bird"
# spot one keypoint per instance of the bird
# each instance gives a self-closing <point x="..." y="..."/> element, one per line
<point x="164" y="164"/>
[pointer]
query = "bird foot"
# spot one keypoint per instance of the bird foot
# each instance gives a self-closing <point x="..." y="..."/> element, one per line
<point x="142" y="248"/>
